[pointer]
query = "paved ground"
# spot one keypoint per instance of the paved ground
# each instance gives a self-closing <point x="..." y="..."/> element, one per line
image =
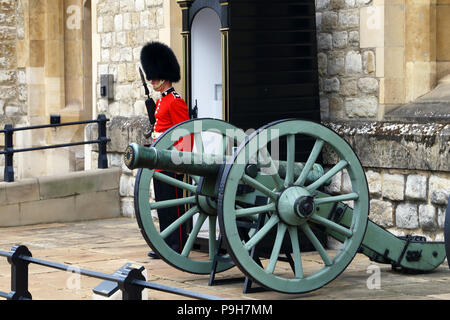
<point x="105" y="245"/>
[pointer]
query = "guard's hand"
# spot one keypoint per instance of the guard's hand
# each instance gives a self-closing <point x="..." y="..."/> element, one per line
<point x="151" y="108"/>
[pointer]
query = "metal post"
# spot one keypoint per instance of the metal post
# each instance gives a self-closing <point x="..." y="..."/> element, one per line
<point x="9" y="169"/>
<point x="130" y="291"/>
<point x="102" y="158"/>
<point x="19" y="273"/>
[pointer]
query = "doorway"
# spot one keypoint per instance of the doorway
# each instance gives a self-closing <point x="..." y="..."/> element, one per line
<point x="206" y="53"/>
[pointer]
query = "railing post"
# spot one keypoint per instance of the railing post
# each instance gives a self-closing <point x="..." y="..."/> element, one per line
<point x="9" y="168"/>
<point x="19" y="273"/>
<point x="129" y="290"/>
<point x="102" y="158"/>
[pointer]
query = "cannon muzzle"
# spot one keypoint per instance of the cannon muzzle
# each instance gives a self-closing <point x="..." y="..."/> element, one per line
<point x="137" y="156"/>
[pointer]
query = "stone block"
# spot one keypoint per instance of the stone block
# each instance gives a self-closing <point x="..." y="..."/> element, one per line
<point x="369" y="66"/>
<point x="439" y="189"/>
<point x="421" y="79"/>
<point x="406" y="216"/>
<point x="441" y="217"/>
<point x="127" y="207"/>
<point x="336" y="66"/>
<point x="21" y="191"/>
<point x="443" y="33"/>
<point x="427" y="217"/>
<point x="331" y="85"/>
<point x="346" y="182"/>
<point x="368" y="85"/>
<point x="348" y="87"/>
<point x="374" y="182"/>
<point x="324" y="41"/>
<point x="329" y="20"/>
<point x="322" y="4"/>
<point x="79" y="183"/>
<point x="353" y="63"/>
<point x="9" y="215"/>
<point x="48" y="211"/>
<point x="98" y="205"/>
<point x="394" y="60"/>
<point x="416" y="187"/>
<point x="322" y="61"/>
<point x="2" y="189"/>
<point x="340" y="39"/>
<point x="381" y="212"/>
<point x="364" y="107"/>
<point x="393" y="186"/>
<point x="335" y="186"/>
<point x="395" y="21"/>
<point x="349" y="18"/>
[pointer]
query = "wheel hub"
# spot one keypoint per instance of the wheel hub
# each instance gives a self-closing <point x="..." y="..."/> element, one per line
<point x="304" y="206"/>
<point x="295" y="205"/>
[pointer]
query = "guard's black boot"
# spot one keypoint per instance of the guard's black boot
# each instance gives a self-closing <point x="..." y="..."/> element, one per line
<point x="153" y="255"/>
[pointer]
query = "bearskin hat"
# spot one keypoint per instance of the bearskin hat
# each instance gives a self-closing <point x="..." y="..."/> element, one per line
<point x="159" y="62"/>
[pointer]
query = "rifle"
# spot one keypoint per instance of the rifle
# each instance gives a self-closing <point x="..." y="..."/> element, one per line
<point x="150" y="105"/>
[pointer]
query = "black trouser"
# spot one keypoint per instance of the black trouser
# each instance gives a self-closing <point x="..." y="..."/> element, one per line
<point x="163" y="191"/>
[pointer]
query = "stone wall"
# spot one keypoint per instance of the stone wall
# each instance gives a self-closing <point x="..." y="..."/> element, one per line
<point x="124" y="27"/>
<point x="347" y="79"/>
<point x="407" y="170"/>
<point x="13" y="90"/>
<point x="13" y="94"/>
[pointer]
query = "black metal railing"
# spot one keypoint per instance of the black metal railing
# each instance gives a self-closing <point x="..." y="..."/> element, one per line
<point x="9" y="150"/>
<point x="130" y="281"/>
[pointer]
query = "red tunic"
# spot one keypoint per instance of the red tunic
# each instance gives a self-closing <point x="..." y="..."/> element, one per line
<point x="171" y="109"/>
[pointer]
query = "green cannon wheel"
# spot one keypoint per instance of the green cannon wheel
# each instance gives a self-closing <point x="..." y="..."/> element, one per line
<point x="293" y="208"/>
<point x="187" y="260"/>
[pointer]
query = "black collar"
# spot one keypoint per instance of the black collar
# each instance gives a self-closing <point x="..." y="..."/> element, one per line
<point x="165" y="93"/>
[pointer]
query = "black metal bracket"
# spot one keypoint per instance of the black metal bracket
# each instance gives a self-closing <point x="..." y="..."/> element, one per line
<point x="19" y="273"/>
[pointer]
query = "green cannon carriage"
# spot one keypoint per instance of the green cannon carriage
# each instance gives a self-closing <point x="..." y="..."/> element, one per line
<point x="255" y="181"/>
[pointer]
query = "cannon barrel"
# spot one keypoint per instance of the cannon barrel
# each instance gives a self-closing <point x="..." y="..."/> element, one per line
<point x="201" y="164"/>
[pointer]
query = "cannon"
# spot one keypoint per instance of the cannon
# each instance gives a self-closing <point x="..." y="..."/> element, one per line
<point x="252" y="190"/>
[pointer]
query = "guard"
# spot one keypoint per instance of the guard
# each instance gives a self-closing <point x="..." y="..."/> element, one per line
<point x="162" y="70"/>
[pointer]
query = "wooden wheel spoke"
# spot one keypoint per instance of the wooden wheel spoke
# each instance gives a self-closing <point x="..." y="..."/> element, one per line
<point x="316" y="243"/>
<point x="255" y="210"/>
<point x="177" y="223"/>
<point x="293" y="234"/>
<point x="310" y="162"/>
<point x="262" y="232"/>
<point x="342" y="197"/>
<point x="332" y="225"/>
<point x="276" y="247"/>
<point x="338" y="167"/>
<point x="172" y="203"/>
<point x="193" y="235"/>
<point x="259" y="186"/>
<point x="174" y="182"/>
<point x="289" y="179"/>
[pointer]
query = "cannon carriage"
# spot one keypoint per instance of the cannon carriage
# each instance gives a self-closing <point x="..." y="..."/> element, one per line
<point x="254" y="194"/>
